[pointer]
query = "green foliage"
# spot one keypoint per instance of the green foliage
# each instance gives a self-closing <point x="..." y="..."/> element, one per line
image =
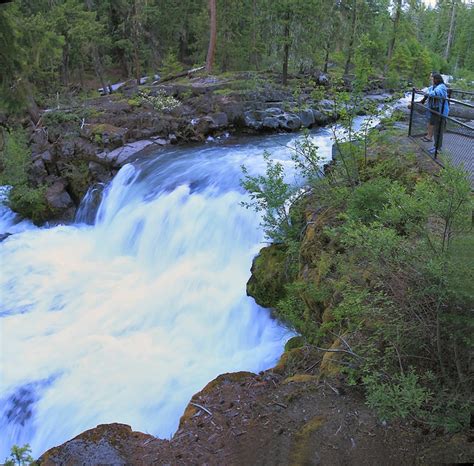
<point x="364" y="58"/>
<point x="271" y="195"/>
<point x="78" y="177"/>
<point x="171" y="65"/>
<point x="51" y="45"/>
<point x="25" y="199"/>
<point x="318" y="93"/>
<point x="390" y="268"/>
<point x="399" y="397"/>
<point x="135" y="101"/>
<point x="14" y="159"/>
<point x="293" y="307"/>
<point x="60" y="117"/>
<point x="368" y="200"/>
<point x="20" y="456"/>
<point x="29" y="202"/>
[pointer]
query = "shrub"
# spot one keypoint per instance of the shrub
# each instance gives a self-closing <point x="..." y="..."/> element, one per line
<point x="20" y="456"/>
<point x="369" y="199"/>
<point x="399" y="397"/>
<point x="271" y="195"/>
<point x="27" y="200"/>
<point x="161" y="102"/>
<point x="399" y="284"/>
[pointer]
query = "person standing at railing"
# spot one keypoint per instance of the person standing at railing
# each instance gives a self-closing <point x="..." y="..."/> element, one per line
<point x="429" y="131"/>
<point x="439" y="109"/>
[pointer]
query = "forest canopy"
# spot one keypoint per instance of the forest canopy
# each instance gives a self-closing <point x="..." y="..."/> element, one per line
<point x="49" y="45"/>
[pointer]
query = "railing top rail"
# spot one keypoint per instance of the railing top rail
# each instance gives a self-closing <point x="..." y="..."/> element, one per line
<point x="447" y="117"/>
<point x="449" y="99"/>
<point x="460" y="102"/>
<point x="460" y="91"/>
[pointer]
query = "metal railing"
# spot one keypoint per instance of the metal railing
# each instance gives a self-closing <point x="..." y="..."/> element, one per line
<point x="452" y="133"/>
<point x="465" y="96"/>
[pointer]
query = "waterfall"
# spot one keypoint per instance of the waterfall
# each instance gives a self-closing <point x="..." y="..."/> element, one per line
<point x="124" y="320"/>
<point x="124" y="315"/>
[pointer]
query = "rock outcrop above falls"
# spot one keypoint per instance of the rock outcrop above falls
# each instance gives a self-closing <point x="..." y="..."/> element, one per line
<point x="284" y="416"/>
<point x="76" y="147"/>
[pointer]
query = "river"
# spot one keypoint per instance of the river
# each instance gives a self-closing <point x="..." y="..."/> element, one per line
<point x="125" y="319"/>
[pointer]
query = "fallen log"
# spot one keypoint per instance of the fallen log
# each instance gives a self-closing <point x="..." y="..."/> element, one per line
<point x="178" y="75"/>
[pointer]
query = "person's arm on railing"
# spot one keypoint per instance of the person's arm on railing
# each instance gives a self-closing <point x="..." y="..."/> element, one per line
<point x="424" y="99"/>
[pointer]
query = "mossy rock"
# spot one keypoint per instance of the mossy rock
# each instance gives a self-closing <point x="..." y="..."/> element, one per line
<point x="300" y="378"/>
<point x="230" y="377"/>
<point x="303" y="448"/>
<point x="330" y="364"/>
<point x="266" y="285"/>
<point x="287" y="359"/>
<point x="107" y="134"/>
<point x="295" y="342"/>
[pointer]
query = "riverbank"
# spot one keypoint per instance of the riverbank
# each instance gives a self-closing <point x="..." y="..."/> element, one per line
<point x="80" y="145"/>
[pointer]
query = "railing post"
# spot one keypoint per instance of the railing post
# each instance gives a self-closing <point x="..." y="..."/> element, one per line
<point x="411" y="110"/>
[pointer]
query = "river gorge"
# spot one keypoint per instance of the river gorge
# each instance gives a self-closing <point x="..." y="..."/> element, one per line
<point x="124" y="319"/>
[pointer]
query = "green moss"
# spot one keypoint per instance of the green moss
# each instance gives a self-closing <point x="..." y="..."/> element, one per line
<point x="266" y="284"/>
<point x="226" y="91"/>
<point x="78" y="178"/>
<point x="295" y="342"/>
<point x="301" y="378"/>
<point x="135" y="102"/>
<point x="30" y="202"/>
<point x="303" y="452"/>
<point x="26" y="199"/>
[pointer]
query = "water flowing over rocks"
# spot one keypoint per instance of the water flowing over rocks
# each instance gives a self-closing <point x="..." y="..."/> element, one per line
<point x="73" y="148"/>
<point x="295" y="413"/>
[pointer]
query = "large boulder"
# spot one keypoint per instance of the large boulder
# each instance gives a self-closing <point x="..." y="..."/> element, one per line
<point x="289" y="121"/>
<point x="320" y="118"/>
<point x="210" y="123"/>
<point x="461" y="111"/>
<point x="272" y="119"/>
<point x="266" y="284"/>
<point x="59" y="201"/>
<point x="107" y="135"/>
<point x="307" y="118"/>
<point x="252" y="119"/>
<point x="105" y="444"/>
<point x="271" y="122"/>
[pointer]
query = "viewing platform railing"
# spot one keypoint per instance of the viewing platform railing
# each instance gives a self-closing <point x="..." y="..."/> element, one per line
<point x="453" y="134"/>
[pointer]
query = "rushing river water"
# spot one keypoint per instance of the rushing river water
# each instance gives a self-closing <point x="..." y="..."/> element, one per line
<point x="124" y="320"/>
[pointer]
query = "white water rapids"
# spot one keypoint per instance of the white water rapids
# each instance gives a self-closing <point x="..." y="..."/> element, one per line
<point x="124" y="320"/>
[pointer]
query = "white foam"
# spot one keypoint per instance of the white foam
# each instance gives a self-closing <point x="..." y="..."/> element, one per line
<point x="125" y="320"/>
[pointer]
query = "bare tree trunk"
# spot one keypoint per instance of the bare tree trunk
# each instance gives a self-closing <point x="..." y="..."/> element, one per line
<point x="137" y="29"/>
<point x="286" y="48"/>
<point x="99" y="71"/>
<point x="254" y="35"/>
<point x="65" y="67"/>
<point x="81" y="75"/>
<point x="136" y="60"/>
<point x="183" y="46"/>
<point x="350" y="49"/>
<point x="451" y="30"/>
<point x="211" y="52"/>
<point x="391" y="45"/>
<point x="31" y="105"/>
<point x="326" y="58"/>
